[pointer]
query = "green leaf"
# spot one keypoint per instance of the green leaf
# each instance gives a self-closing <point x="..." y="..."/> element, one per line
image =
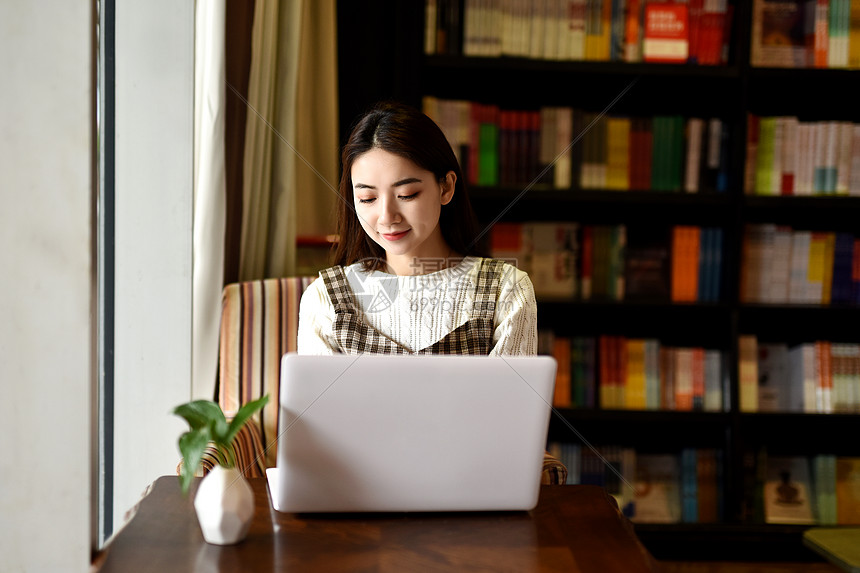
<point x="192" y="444"/>
<point x="245" y="412"/>
<point x="201" y="413"/>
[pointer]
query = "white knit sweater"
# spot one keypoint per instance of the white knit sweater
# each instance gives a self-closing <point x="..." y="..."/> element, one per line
<point x="418" y="311"/>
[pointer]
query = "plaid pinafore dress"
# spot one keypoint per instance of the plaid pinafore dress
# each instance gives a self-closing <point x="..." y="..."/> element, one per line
<point x="475" y="336"/>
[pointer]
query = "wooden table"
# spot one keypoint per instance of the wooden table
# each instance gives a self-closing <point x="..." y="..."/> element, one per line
<point x="574" y="528"/>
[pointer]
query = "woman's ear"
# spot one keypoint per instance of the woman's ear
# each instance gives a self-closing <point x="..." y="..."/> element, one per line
<point x="448" y="184"/>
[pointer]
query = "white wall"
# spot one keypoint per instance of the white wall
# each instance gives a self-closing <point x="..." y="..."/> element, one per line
<point x="154" y="160"/>
<point x="46" y="282"/>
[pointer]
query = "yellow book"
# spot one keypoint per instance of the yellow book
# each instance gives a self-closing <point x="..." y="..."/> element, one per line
<point x="634" y="394"/>
<point x="827" y="263"/>
<point x="618" y="162"/>
<point x="748" y="372"/>
<point x="854" y="35"/>
<point x="815" y="268"/>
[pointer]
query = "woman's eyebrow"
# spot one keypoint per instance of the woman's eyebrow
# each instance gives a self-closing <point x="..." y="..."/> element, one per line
<point x="407" y="181"/>
<point x="400" y="183"/>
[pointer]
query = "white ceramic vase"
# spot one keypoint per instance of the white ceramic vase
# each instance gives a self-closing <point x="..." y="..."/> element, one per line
<point x="225" y="506"/>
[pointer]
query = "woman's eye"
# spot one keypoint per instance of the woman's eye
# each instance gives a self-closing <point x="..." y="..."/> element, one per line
<point x="367" y="201"/>
<point x="409" y="197"/>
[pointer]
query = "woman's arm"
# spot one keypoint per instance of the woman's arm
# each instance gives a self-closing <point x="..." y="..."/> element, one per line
<point x="516" y="316"/>
<point x="316" y="315"/>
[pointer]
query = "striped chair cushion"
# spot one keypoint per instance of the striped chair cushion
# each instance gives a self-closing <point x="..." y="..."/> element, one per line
<point x="259" y="323"/>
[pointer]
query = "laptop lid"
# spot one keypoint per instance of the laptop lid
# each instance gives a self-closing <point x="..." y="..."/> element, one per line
<point x="411" y="433"/>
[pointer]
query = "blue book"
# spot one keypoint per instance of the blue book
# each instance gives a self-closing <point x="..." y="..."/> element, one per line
<point x="689" y="486"/>
<point x="717" y="264"/>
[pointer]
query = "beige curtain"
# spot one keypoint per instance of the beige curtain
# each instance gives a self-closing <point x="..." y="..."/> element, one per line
<point x="209" y="194"/>
<point x="291" y="136"/>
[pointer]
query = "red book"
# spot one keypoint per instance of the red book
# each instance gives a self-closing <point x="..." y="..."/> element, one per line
<point x="822" y="33"/>
<point x="666" y="38"/>
<point x="711" y="27"/>
<point x="475" y="117"/>
<point x="695" y="16"/>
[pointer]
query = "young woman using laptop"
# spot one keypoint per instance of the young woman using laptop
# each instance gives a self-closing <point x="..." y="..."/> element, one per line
<point x="409" y="274"/>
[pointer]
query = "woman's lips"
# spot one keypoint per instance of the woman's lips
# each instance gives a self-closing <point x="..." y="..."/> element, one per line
<point x="394" y="236"/>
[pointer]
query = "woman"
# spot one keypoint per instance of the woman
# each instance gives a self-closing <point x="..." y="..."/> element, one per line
<point x="409" y="276"/>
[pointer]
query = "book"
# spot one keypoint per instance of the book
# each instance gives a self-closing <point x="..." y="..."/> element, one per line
<point x="657" y="492"/>
<point x="748" y="373"/>
<point x="666" y="35"/>
<point x="778" y="36"/>
<point x="788" y="491"/>
<point x="552" y="252"/>
<point x="848" y="490"/>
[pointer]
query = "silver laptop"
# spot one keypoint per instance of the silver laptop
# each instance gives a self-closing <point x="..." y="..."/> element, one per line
<point x="411" y="433"/>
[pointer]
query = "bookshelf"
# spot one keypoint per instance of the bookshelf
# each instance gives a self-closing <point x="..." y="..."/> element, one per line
<point x="730" y="92"/>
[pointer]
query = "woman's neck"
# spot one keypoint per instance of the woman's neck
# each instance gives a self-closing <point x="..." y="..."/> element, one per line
<point x="411" y="265"/>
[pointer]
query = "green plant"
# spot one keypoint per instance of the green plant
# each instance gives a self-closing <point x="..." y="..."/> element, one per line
<point x="208" y="425"/>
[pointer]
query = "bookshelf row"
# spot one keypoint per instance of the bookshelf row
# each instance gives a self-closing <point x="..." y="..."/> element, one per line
<point x="813" y="377"/>
<point x="805" y="34"/>
<point x="674" y="487"/>
<point x="781" y="265"/>
<point x="563" y="148"/>
<point x="621" y="373"/>
<point x="822" y="489"/>
<point x="786" y="156"/>
<point x="605" y="262"/>
<point x="696" y="32"/>
<point x="686" y="486"/>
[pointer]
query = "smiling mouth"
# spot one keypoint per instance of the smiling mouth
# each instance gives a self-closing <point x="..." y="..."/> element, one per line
<point x="394" y="236"/>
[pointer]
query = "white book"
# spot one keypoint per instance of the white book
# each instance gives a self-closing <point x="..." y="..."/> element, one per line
<point x="472" y="38"/>
<point x="803" y="173"/>
<point x="767" y="233"/>
<point x="787" y="491"/>
<point x="695" y="128"/>
<point x="800" y="242"/>
<point x="840" y="395"/>
<point x="560" y="22"/>
<point x="541" y="11"/>
<point x="853" y="352"/>
<point x="576" y="29"/>
<point x="713" y="381"/>
<point x="819" y="149"/>
<point x="780" y="266"/>
<point x="563" y="161"/>
<point x="506" y="33"/>
<point x="843" y="156"/>
<point x="652" y="374"/>
<point x="854" y="186"/>
<point x="830" y="163"/>
<point x="523" y="27"/>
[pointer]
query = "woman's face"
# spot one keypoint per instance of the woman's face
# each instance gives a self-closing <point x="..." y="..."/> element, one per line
<point x="398" y="205"/>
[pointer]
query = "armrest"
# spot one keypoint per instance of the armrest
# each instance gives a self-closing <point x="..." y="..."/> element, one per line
<point x="247" y="450"/>
<point x="554" y="472"/>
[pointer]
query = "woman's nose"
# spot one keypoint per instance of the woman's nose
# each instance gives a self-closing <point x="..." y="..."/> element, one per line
<point x="390" y="214"/>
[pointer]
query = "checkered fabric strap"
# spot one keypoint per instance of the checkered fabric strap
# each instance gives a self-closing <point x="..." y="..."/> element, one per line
<point x="473" y="337"/>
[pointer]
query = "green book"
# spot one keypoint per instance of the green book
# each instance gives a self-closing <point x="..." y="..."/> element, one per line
<point x="764" y="155"/>
<point x="488" y="156"/>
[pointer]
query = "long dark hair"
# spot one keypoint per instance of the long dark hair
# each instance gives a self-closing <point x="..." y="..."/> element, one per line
<point x="402" y="130"/>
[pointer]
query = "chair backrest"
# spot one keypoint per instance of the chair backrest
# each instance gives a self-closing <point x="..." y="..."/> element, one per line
<point x="259" y="323"/>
